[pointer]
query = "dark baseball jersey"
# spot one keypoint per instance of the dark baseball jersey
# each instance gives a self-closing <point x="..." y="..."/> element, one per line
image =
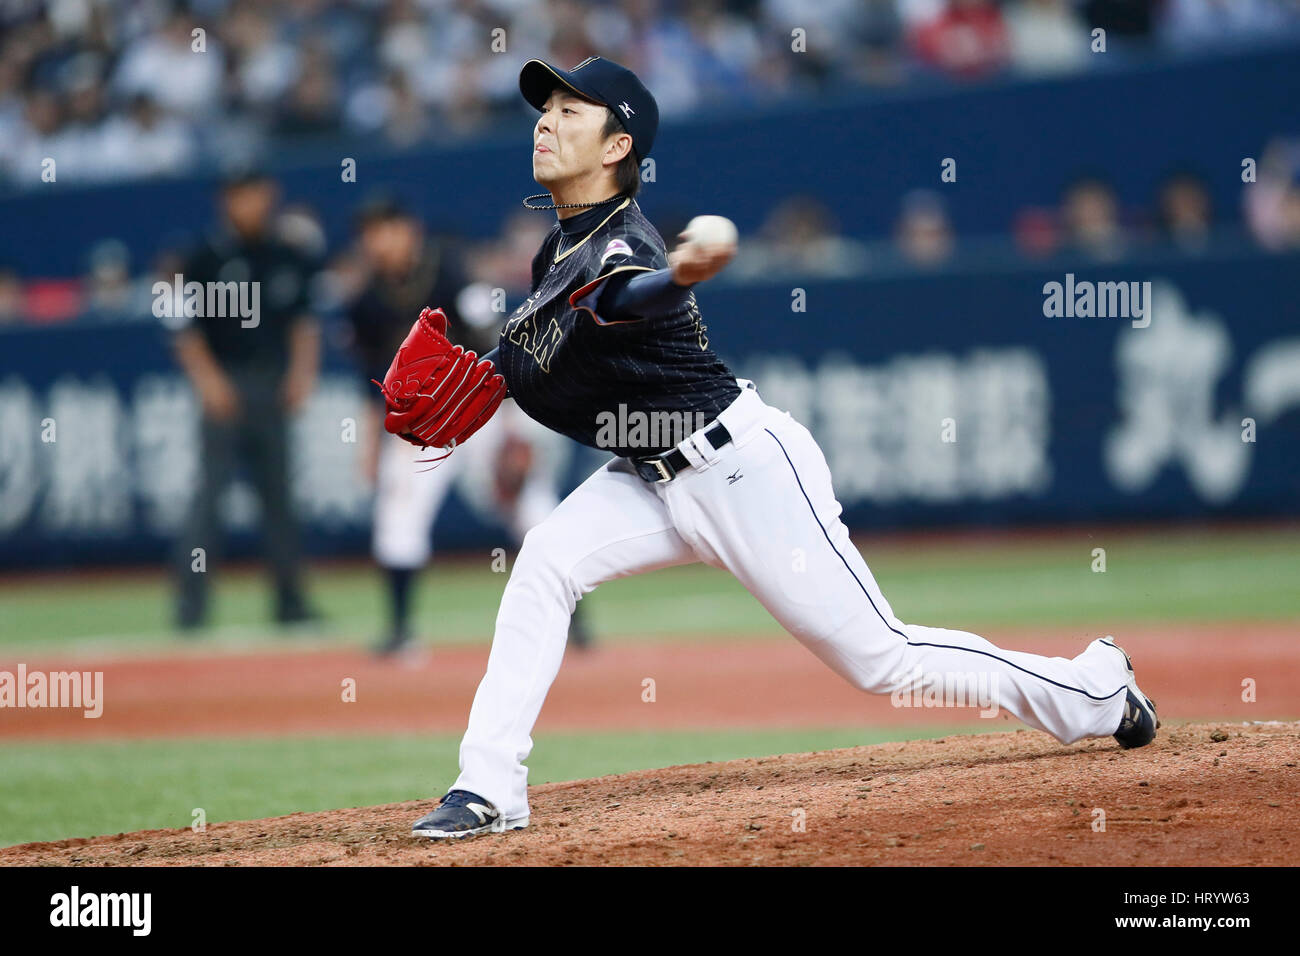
<point x="282" y="275"/>
<point x="571" y="368"/>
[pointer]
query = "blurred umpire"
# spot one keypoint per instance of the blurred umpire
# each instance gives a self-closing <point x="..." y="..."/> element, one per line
<point x="250" y="375"/>
<point x="405" y="269"/>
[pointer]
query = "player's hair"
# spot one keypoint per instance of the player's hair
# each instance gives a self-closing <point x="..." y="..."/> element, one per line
<point x="627" y="175"/>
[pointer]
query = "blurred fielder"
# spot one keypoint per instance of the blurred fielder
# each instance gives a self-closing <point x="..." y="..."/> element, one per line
<point x="509" y="474"/>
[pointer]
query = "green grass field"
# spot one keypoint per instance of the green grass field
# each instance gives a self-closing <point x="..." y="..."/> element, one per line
<point x="53" y="790"/>
<point x="1149" y="578"/>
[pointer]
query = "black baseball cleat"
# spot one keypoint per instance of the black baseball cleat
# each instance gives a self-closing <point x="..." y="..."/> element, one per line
<point x="1137" y="727"/>
<point x="463" y="814"/>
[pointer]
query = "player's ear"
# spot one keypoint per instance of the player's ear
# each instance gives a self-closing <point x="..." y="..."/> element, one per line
<point x="619" y="148"/>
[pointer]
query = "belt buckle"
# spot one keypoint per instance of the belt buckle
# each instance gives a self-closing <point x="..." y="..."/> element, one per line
<point x="665" y="473"/>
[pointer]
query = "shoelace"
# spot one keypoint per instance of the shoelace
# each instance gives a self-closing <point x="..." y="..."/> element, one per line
<point x="1130" y="716"/>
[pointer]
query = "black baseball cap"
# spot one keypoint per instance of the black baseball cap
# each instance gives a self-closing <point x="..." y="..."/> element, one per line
<point x="604" y="82"/>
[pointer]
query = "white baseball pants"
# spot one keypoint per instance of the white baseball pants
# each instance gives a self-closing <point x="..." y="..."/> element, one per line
<point x="409" y="495"/>
<point x="763" y="508"/>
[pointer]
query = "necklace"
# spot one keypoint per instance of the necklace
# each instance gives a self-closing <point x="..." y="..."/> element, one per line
<point x="566" y="205"/>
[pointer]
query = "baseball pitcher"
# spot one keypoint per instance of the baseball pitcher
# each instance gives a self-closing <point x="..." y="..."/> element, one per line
<point x="609" y="348"/>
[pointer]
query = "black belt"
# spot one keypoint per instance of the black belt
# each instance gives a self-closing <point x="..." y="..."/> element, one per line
<point x="666" y="466"/>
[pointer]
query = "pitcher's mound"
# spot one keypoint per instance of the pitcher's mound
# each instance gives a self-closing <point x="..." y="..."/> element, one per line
<point x="1211" y="794"/>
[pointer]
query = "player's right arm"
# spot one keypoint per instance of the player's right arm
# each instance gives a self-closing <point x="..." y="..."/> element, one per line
<point x="216" y="391"/>
<point x="634" y="296"/>
<point x="631" y="289"/>
<point x="630" y="284"/>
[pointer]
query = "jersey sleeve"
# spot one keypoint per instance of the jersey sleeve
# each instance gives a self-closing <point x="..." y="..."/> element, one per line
<point x="197" y="266"/>
<point x="621" y="256"/>
<point x="304" y="269"/>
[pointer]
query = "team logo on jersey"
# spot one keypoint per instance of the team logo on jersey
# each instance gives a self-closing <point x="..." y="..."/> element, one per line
<point x="616" y="247"/>
<point x="524" y="332"/>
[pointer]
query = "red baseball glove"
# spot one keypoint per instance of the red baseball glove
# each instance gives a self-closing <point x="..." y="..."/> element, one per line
<point x="438" y="394"/>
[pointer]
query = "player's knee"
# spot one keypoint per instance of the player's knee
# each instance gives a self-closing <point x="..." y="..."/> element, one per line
<point x="867" y="674"/>
<point x="539" y="544"/>
<point x="874" y="663"/>
<point x="544" y="556"/>
<point x="877" y="680"/>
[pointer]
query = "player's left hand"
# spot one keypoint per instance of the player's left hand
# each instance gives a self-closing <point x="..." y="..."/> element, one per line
<point x="693" y="262"/>
<point x="438" y="394"/>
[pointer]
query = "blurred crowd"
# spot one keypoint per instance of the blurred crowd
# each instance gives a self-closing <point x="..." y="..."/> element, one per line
<point x="124" y="88"/>
<point x="800" y="236"/>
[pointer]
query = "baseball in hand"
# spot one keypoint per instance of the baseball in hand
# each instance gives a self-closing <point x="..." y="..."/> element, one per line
<point x="708" y="244"/>
<point x="711" y="232"/>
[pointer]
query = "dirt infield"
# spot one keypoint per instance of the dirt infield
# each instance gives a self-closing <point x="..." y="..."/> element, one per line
<point x="1193" y="672"/>
<point x="1202" y="794"/>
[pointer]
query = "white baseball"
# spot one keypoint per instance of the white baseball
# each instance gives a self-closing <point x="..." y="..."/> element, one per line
<point x="711" y="231"/>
